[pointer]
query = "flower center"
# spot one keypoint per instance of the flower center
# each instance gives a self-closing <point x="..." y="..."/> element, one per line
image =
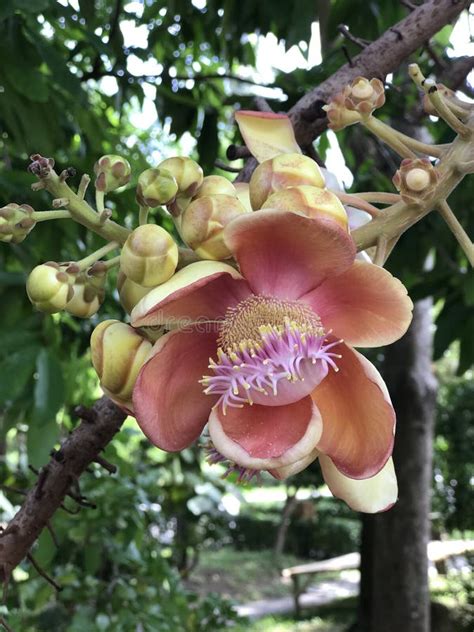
<point x="271" y="352"/>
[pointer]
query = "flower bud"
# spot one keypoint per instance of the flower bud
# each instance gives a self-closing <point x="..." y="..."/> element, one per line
<point x="112" y="172"/>
<point x="156" y="187"/>
<point x="243" y="193"/>
<point x="280" y="172"/>
<point x="149" y="256"/>
<point x="130" y="293"/>
<point x="16" y="222"/>
<point x="415" y="180"/>
<point x="187" y="173"/>
<point x="118" y="353"/>
<point x="364" y="96"/>
<point x="310" y="201"/>
<point x="338" y="115"/>
<point x="88" y="292"/>
<point x="215" y="185"/>
<point x="203" y="223"/>
<point x="49" y="287"/>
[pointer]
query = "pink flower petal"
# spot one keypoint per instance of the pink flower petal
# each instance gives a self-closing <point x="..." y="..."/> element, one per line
<point x="200" y="291"/>
<point x="285" y="254"/>
<point x="281" y="473"/>
<point x="170" y="406"/>
<point x="358" y="417"/>
<point x="267" y="134"/>
<point x="264" y="437"/>
<point x="365" y="305"/>
<point x="370" y="495"/>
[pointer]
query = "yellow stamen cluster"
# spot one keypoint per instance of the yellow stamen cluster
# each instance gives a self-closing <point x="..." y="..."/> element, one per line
<point x="245" y="324"/>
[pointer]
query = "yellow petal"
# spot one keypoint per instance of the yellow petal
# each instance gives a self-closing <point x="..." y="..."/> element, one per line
<point x="267" y="134"/>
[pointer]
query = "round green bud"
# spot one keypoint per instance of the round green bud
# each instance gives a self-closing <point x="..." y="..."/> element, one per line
<point x="112" y="172"/>
<point x="215" y="185"/>
<point x="49" y="287"/>
<point x="130" y="293"/>
<point x="156" y="187"/>
<point x="149" y="256"/>
<point x="187" y="173"/>
<point x="16" y="222"/>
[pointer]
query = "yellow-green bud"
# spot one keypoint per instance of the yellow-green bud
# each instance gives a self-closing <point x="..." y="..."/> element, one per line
<point x="156" y="187"/>
<point x="310" y="201"/>
<point x="187" y="173"/>
<point x="16" y="222"/>
<point x="281" y="172"/>
<point x="130" y="293"/>
<point x="215" y="185"/>
<point x="118" y="353"/>
<point x="88" y="292"/>
<point x="203" y="224"/>
<point x="149" y="256"/>
<point x="112" y="172"/>
<point x="49" y="287"/>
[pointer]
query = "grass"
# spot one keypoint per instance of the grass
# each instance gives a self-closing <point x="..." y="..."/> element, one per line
<point x="241" y="575"/>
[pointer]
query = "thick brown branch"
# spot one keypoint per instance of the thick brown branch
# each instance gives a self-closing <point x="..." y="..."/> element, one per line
<point x="81" y="448"/>
<point x="379" y="58"/>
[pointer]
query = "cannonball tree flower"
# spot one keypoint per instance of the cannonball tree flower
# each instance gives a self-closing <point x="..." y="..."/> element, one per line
<point x="283" y="384"/>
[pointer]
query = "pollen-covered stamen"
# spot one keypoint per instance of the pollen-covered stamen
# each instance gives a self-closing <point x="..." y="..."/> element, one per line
<point x="278" y="362"/>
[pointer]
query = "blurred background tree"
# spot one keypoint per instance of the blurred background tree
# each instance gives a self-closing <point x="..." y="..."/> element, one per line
<point x="148" y="80"/>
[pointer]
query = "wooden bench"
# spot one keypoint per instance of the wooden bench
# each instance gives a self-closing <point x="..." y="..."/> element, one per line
<point x="438" y="551"/>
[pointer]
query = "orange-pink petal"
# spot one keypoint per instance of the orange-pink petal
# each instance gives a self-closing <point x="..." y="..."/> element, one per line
<point x="285" y="254"/>
<point x="200" y="291"/>
<point x="365" y="305"/>
<point x="264" y="437"/>
<point x="170" y="406"/>
<point x="358" y="417"/>
<point x="267" y="134"/>
<point x="370" y="495"/>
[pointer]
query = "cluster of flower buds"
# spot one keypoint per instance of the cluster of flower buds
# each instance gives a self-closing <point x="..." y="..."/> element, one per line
<point x="54" y="287"/>
<point x="357" y="101"/>
<point x="415" y="180"/>
<point x="16" y="222"/>
<point x="118" y="353"/>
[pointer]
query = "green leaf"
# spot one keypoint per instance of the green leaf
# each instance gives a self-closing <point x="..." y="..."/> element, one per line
<point x="40" y="442"/>
<point x="45" y="550"/>
<point x="10" y="7"/>
<point x="49" y="387"/>
<point x="16" y="370"/>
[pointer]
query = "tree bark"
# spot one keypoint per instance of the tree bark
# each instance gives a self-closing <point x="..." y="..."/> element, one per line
<point x="394" y="586"/>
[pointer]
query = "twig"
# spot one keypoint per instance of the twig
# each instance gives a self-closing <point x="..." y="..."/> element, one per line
<point x="5" y="625"/>
<point x="262" y="105"/>
<point x="220" y="164"/>
<point x="43" y="573"/>
<point x="358" y="41"/>
<point x="409" y="5"/>
<point x="110" y="467"/>
<point x="234" y="152"/>
<point x="52" y="534"/>
<point x="13" y="490"/>
<point x="458" y="231"/>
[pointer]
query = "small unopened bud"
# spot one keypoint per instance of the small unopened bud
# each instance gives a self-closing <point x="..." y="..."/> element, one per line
<point x="49" y="287"/>
<point x="203" y="224"/>
<point x="156" y="187"/>
<point x="16" y="222"/>
<point x="415" y="180"/>
<point x="130" y="293"/>
<point x="243" y="193"/>
<point x="364" y="96"/>
<point x="187" y="173"/>
<point x="118" y="353"/>
<point x="281" y="172"/>
<point x="88" y="292"/>
<point x="215" y="185"/>
<point x="149" y="256"/>
<point x="309" y="201"/>
<point x="112" y="172"/>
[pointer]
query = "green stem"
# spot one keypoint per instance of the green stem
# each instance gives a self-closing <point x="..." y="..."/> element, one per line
<point x="378" y="197"/>
<point x="95" y="256"/>
<point x="99" y="201"/>
<point x="82" y="213"/>
<point x="112" y="263"/>
<point x="388" y="135"/>
<point x="457" y="230"/>
<point x="143" y="215"/>
<point x="43" y="216"/>
<point x="417" y="145"/>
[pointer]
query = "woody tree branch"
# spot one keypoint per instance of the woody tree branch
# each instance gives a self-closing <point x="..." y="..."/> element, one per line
<point x="78" y="451"/>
